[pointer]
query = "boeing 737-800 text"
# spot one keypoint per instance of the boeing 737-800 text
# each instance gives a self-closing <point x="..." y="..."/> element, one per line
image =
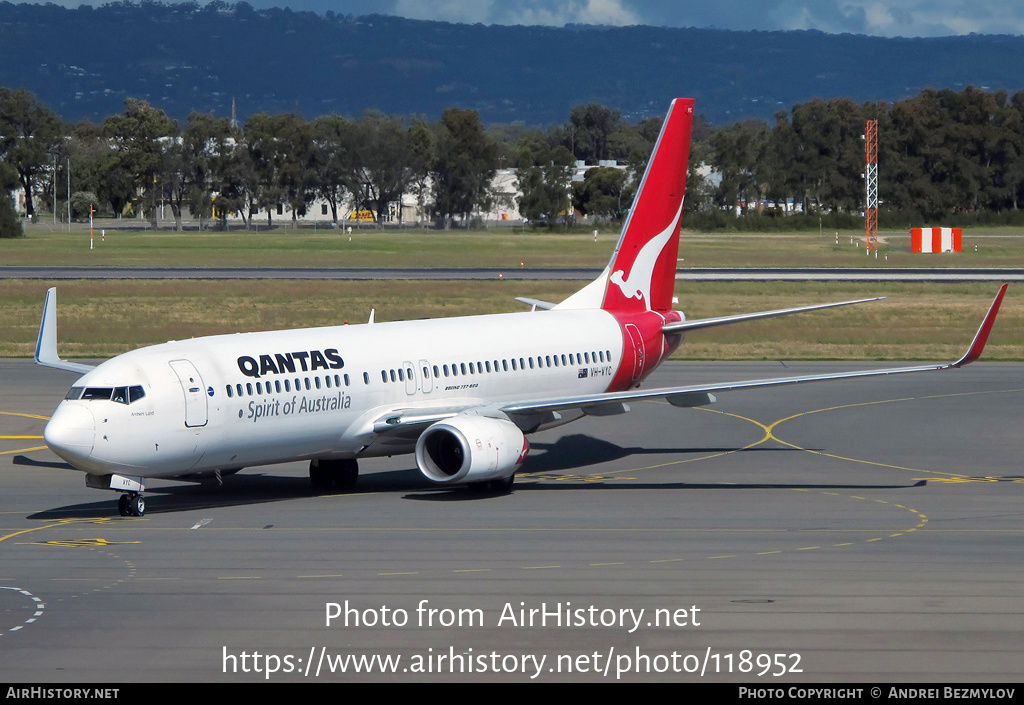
<point x="461" y="393"/>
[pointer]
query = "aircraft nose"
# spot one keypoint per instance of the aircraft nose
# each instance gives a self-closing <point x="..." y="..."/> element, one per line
<point x="71" y="432"/>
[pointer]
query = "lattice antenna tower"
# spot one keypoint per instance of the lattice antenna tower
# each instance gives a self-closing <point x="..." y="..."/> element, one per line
<point x="871" y="185"/>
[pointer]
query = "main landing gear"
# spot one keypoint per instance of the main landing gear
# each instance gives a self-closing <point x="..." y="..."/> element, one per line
<point x="500" y="486"/>
<point x="131" y="505"/>
<point x="333" y="474"/>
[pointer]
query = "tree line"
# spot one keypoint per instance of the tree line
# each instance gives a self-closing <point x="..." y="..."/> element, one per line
<point x="135" y="161"/>
<point x="940" y="153"/>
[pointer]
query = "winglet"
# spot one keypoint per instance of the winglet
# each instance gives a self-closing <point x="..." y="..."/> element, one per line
<point x="46" y="343"/>
<point x="978" y="346"/>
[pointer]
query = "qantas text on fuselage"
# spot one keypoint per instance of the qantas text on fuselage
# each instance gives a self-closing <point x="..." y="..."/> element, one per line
<point x="292" y="362"/>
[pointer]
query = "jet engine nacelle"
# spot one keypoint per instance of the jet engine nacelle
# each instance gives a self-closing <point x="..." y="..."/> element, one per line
<point x="470" y="449"/>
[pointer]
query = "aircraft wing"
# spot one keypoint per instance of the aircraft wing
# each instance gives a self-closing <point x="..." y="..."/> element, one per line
<point x="401" y="420"/>
<point x="698" y="395"/>
<point x="46" y="343"/>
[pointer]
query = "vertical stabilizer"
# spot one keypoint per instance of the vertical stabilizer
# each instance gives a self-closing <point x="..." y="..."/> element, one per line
<point x="643" y="267"/>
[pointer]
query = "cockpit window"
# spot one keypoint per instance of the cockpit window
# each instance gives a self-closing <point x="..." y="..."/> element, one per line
<point x="122" y="395"/>
<point x="97" y="393"/>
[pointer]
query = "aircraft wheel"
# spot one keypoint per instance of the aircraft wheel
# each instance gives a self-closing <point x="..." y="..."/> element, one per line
<point x="122" y="505"/>
<point x="504" y="485"/>
<point x="319" y="475"/>
<point x="137" y="505"/>
<point x="346" y="473"/>
<point x="500" y="486"/>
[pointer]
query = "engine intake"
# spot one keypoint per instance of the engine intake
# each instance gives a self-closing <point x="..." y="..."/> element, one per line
<point x="470" y="449"/>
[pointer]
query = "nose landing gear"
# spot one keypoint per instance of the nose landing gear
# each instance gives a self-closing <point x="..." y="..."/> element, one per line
<point x="131" y="505"/>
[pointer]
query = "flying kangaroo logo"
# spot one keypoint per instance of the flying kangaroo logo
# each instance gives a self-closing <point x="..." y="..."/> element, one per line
<point x="637" y="284"/>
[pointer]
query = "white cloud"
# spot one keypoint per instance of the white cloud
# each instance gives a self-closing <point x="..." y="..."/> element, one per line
<point x="445" y="10"/>
<point x="911" y="18"/>
<point x="918" y="18"/>
<point x="525" y="12"/>
<point x="880" y="16"/>
<point x="611" y="12"/>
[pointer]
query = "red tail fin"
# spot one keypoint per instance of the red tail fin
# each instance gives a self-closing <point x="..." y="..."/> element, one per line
<point x="643" y="268"/>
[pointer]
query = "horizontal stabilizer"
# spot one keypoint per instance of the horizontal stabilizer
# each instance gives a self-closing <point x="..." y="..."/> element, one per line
<point x="535" y="303"/>
<point x="46" y="343"/>
<point x="697" y="324"/>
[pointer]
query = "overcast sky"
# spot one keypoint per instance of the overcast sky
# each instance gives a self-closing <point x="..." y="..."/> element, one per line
<point x="890" y="18"/>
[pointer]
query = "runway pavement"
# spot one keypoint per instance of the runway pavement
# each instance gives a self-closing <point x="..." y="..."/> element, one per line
<point x="866" y="530"/>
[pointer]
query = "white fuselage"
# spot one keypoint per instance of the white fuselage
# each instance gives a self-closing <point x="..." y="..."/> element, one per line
<point x="230" y="401"/>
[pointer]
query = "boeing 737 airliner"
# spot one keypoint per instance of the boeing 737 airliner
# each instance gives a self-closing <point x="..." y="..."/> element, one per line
<point x="461" y="393"/>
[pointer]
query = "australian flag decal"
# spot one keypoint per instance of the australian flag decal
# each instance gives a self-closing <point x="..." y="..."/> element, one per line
<point x="583" y="373"/>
